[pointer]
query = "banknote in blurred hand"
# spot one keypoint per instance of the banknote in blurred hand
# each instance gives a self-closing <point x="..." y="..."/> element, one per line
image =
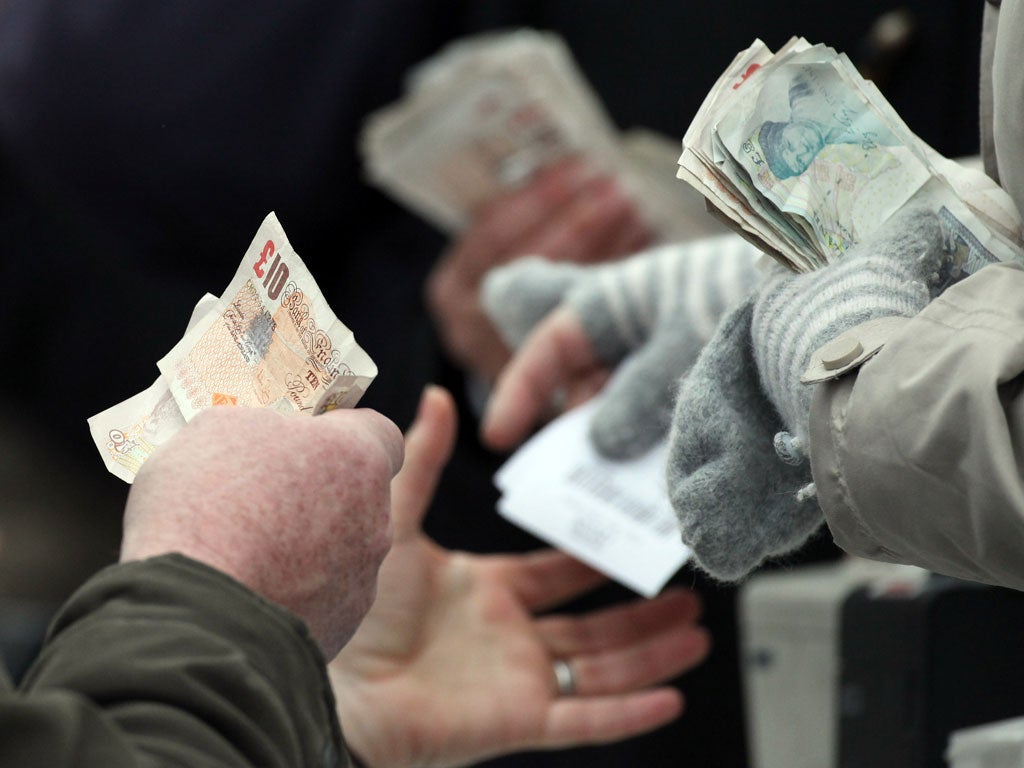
<point x="805" y="158"/>
<point x="485" y="114"/>
<point x="270" y="341"/>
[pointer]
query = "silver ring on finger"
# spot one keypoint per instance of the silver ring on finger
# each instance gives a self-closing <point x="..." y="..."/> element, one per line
<point x="565" y="678"/>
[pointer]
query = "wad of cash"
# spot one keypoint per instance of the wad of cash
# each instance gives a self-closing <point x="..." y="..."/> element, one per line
<point x="489" y="111"/>
<point x="269" y="341"/>
<point x="805" y="158"/>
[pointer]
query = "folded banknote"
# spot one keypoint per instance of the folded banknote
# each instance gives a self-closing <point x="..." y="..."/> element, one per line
<point x="488" y="112"/>
<point x="805" y="158"/>
<point x="269" y="341"/>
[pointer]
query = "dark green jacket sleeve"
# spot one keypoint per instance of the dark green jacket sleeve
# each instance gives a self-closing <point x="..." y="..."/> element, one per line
<point x="169" y="662"/>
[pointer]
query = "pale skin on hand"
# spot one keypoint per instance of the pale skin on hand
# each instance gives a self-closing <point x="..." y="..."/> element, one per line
<point x="453" y="664"/>
<point x="556" y="358"/>
<point x="565" y="213"/>
<point x="296" y="508"/>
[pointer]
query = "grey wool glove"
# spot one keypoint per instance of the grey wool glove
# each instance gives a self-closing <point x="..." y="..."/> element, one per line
<point x="652" y="313"/>
<point x="738" y="474"/>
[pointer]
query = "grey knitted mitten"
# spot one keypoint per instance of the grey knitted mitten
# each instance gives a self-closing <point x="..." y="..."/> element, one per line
<point x="738" y="473"/>
<point x="657" y="309"/>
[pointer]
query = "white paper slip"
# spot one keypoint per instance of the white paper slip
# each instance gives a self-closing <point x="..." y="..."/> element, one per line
<point x="613" y="515"/>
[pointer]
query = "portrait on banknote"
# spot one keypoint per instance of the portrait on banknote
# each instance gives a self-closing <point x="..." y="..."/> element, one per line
<point x="803" y="157"/>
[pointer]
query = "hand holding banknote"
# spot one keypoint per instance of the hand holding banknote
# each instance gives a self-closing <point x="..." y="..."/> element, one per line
<point x="500" y="142"/>
<point x="270" y="341"/>
<point x="487" y="114"/>
<point x="806" y="159"/>
<point x="566" y="212"/>
<point x="738" y="467"/>
<point x="297" y="509"/>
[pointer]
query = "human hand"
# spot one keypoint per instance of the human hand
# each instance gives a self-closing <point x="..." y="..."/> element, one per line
<point x="295" y="508"/>
<point x="738" y="473"/>
<point x="452" y="665"/>
<point x="657" y="308"/>
<point x="565" y="213"/>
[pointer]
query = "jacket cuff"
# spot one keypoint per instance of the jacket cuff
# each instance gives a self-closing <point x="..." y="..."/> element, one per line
<point x="829" y="407"/>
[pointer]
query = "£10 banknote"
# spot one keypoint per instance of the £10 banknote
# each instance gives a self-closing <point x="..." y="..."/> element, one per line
<point x="269" y="341"/>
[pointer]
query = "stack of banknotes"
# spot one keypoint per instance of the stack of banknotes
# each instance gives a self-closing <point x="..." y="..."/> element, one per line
<point x="489" y="111"/>
<point x="803" y="157"/>
<point x="269" y="341"/>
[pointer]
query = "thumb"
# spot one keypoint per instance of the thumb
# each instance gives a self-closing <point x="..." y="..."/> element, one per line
<point x="557" y="355"/>
<point x="636" y="408"/>
<point x="519" y="295"/>
<point x="736" y="502"/>
<point x="428" y="446"/>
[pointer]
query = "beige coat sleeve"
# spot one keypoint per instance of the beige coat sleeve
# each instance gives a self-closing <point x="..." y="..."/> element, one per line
<point x="919" y="457"/>
<point x="1001" y="71"/>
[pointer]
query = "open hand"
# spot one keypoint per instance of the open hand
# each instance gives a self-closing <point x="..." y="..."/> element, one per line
<point x="453" y="664"/>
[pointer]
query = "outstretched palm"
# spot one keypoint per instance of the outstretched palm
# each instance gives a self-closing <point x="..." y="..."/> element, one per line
<point x="452" y="665"/>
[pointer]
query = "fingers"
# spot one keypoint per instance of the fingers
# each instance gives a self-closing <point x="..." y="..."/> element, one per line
<point x="632" y="238"/>
<point x="629" y="647"/>
<point x="502" y="227"/>
<point x="567" y="212"/>
<point x="637" y="408"/>
<point x="553" y="356"/>
<point x="736" y="502"/>
<point x="519" y="295"/>
<point x="603" y="720"/>
<point x="281" y="502"/>
<point x="592" y="227"/>
<point x="503" y="230"/>
<point x="378" y="428"/>
<point x="620" y="626"/>
<point x="547" y="578"/>
<point x="428" y="446"/>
